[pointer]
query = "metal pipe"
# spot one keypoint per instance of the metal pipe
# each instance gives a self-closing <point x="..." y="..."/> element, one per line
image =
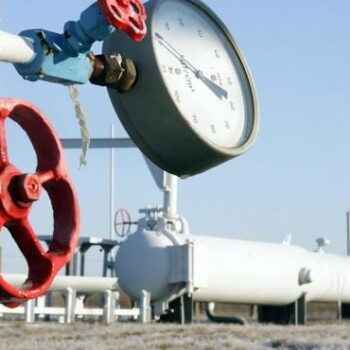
<point x="99" y="143"/>
<point x="80" y="284"/>
<point x="112" y="186"/>
<point x="15" y="49"/>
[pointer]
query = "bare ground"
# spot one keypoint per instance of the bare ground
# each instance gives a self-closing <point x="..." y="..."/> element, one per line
<point x="167" y="337"/>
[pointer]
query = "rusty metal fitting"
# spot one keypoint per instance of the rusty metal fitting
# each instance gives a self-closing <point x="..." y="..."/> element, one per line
<point x="114" y="72"/>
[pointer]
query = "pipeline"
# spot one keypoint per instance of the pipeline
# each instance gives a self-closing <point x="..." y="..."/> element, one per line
<point x="79" y="284"/>
<point x="16" y="49"/>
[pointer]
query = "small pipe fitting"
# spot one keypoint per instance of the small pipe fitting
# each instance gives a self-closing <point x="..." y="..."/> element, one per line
<point x="114" y="72"/>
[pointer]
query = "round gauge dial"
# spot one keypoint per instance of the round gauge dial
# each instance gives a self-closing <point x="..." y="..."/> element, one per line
<point x="194" y="105"/>
<point x="193" y="53"/>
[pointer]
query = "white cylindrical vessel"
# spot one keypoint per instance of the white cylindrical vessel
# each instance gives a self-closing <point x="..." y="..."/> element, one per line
<point x="143" y="264"/>
<point x="251" y="272"/>
<point x="272" y="274"/>
<point x="15" y="49"/>
<point x="227" y="270"/>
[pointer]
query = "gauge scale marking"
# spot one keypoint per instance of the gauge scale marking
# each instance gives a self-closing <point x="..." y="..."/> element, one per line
<point x="194" y="74"/>
<point x="194" y="105"/>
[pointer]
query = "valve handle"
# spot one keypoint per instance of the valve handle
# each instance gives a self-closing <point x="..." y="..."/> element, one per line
<point x="18" y="193"/>
<point x="126" y="15"/>
<point x="122" y="223"/>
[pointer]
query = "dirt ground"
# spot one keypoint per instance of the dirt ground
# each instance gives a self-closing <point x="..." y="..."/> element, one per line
<point x="167" y="337"/>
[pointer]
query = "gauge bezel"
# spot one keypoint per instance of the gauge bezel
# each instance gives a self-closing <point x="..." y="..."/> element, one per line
<point x="171" y="142"/>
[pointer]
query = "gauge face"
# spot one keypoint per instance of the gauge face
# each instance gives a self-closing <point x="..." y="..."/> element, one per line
<point x="194" y="104"/>
<point x="202" y="73"/>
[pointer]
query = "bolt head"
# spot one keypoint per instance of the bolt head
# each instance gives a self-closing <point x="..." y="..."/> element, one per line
<point x="129" y="76"/>
<point x="27" y="188"/>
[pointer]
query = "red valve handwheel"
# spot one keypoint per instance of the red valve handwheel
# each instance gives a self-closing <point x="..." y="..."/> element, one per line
<point x="126" y="15"/>
<point x="19" y="191"/>
<point x="122" y="223"/>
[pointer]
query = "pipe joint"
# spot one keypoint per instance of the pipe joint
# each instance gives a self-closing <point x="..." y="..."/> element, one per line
<point x="66" y="58"/>
<point x="54" y="61"/>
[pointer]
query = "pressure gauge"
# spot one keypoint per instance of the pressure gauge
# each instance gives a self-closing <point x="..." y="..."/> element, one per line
<point x="194" y="104"/>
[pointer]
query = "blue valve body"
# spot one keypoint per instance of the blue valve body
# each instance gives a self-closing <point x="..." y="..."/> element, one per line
<point x="91" y="27"/>
<point x="65" y="58"/>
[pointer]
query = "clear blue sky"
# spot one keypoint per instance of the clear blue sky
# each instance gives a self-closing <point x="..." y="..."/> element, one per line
<point x="296" y="179"/>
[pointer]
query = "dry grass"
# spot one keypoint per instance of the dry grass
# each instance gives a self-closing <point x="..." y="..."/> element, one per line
<point x="169" y="337"/>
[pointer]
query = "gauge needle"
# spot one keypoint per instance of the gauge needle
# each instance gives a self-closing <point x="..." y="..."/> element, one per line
<point x="218" y="91"/>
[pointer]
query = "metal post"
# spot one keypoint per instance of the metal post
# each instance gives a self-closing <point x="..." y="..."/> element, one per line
<point x="41" y="305"/>
<point x="145" y="308"/>
<point x="116" y="303"/>
<point x="72" y="266"/>
<point x="109" y="307"/>
<point x="70" y="305"/>
<point x="79" y="306"/>
<point x="82" y="263"/>
<point x="170" y="195"/>
<point x="105" y="262"/>
<point x="339" y="310"/>
<point x="29" y="311"/>
<point x="112" y="185"/>
<point x="348" y="231"/>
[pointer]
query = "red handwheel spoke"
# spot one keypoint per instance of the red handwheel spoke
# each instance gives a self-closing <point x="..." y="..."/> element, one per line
<point x="4" y="158"/>
<point x="2" y="222"/>
<point x="27" y="241"/>
<point x="45" y="176"/>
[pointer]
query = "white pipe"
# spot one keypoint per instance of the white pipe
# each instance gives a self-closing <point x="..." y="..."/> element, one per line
<point x="79" y="284"/>
<point x="15" y="49"/>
